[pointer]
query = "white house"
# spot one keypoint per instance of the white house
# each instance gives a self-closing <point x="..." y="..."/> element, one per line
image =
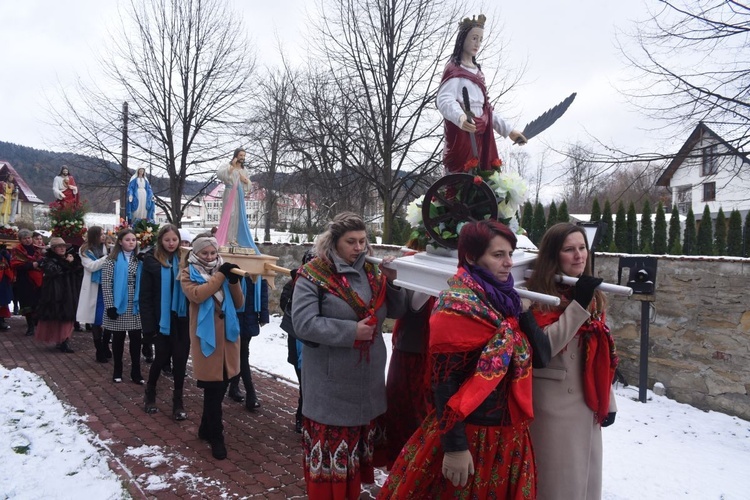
<point x="708" y="170"/>
<point x="191" y="215"/>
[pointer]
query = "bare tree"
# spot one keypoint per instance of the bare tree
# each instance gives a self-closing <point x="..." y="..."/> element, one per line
<point x="693" y="67"/>
<point x="268" y="126"/>
<point x="581" y="178"/>
<point x="390" y="51"/>
<point x="185" y="70"/>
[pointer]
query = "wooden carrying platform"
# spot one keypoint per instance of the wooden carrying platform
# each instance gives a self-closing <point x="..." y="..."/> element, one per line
<point x="255" y="266"/>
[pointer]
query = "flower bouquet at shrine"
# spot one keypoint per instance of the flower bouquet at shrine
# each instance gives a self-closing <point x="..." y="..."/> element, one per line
<point x="457" y="199"/>
<point x="8" y="234"/>
<point x="145" y="233"/>
<point x="67" y="221"/>
<point x="437" y="218"/>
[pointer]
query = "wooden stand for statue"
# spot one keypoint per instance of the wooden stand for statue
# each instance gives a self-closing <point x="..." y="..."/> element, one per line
<point x="252" y="265"/>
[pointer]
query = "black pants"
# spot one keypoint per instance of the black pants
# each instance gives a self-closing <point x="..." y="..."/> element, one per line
<point x="245" y="374"/>
<point x="212" y="426"/>
<point x="118" y="347"/>
<point x="176" y="345"/>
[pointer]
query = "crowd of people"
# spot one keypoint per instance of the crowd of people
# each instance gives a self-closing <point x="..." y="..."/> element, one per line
<point x="487" y="395"/>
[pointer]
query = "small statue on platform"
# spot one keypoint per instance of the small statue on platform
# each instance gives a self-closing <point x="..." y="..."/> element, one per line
<point x="233" y="229"/>
<point x="9" y="196"/>
<point x="140" y="198"/>
<point x="64" y="187"/>
<point x="469" y="138"/>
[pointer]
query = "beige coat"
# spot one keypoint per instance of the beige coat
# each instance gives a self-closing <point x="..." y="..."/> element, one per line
<point x="227" y="354"/>
<point x="567" y="442"/>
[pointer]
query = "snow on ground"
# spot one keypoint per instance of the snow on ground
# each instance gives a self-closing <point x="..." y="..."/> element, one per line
<point x="661" y="449"/>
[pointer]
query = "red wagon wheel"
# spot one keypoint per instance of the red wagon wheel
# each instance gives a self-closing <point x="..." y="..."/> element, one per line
<point x="454" y="199"/>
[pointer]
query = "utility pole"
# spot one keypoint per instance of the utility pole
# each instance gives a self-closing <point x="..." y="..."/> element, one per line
<point x="125" y="171"/>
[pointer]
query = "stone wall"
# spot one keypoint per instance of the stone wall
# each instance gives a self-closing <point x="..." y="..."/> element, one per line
<point x="699" y="333"/>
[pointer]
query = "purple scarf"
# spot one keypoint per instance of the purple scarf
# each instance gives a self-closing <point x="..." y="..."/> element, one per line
<point x="502" y="295"/>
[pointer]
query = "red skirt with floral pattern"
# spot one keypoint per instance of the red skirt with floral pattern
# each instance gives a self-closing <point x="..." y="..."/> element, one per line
<point x="503" y="465"/>
<point x="337" y="459"/>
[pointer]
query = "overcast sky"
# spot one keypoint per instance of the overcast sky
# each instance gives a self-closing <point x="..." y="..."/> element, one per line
<point x="567" y="46"/>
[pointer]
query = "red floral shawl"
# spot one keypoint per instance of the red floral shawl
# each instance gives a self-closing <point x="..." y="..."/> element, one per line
<point x="19" y="256"/>
<point x="324" y="275"/>
<point x="600" y="359"/>
<point x="463" y="321"/>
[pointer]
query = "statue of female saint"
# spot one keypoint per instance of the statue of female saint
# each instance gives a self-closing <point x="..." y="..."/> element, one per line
<point x="140" y="198"/>
<point x="64" y="187"/>
<point x="8" y="194"/>
<point x="463" y="71"/>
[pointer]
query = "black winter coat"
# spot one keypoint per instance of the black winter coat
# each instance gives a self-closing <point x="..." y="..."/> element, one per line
<point x="149" y="299"/>
<point x="250" y="320"/>
<point x="58" y="296"/>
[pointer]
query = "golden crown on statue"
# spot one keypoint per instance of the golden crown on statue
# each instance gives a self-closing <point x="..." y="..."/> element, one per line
<point x="473" y="22"/>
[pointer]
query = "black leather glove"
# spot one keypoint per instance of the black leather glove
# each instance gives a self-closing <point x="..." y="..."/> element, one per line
<point x="584" y="290"/>
<point x="112" y="313"/>
<point x="541" y="350"/>
<point x="610" y="419"/>
<point x="226" y="270"/>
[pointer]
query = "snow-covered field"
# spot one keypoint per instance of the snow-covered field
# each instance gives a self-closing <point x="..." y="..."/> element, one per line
<point x="658" y="450"/>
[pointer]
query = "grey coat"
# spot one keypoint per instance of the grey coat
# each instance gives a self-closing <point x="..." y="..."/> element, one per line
<point x="567" y="441"/>
<point x="339" y="385"/>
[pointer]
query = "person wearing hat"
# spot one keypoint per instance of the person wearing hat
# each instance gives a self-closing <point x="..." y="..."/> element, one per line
<point x="215" y="295"/>
<point x="56" y="309"/>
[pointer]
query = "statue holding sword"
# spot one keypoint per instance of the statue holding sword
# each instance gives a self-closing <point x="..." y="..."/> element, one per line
<point x="470" y="121"/>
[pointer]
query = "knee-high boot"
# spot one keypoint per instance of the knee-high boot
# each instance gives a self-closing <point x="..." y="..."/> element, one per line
<point x="96" y="334"/>
<point x="106" y="339"/>
<point x="30" y="324"/>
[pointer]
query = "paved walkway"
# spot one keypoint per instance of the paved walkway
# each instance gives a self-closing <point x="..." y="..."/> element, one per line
<point x="155" y="456"/>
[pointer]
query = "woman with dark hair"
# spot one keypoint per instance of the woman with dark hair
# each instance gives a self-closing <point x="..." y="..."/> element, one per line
<point x="90" y="300"/>
<point x="476" y="443"/>
<point x="164" y="318"/>
<point x="573" y="395"/>
<point x="24" y="260"/>
<point x="463" y="71"/>
<point x="121" y="279"/>
<point x="339" y="304"/>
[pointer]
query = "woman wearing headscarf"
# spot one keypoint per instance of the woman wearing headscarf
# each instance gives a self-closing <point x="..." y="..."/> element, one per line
<point x="24" y="260"/>
<point x="215" y="294"/>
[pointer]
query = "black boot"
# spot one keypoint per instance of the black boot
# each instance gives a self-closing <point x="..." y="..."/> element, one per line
<point x="147" y="348"/>
<point x="178" y="409"/>
<point x="106" y="339"/>
<point x="4" y="325"/>
<point x="213" y="427"/>
<point x="30" y="326"/>
<point x="234" y="390"/>
<point x="65" y="347"/>
<point x="251" y="398"/>
<point x="96" y="334"/>
<point x="218" y="450"/>
<point x="149" y="400"/>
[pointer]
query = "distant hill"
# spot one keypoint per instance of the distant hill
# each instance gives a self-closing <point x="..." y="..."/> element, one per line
<point x="93" y="176"/>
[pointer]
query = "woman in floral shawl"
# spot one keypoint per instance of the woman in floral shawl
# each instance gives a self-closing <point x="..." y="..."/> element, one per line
<point x="338" y="308"/>
<point x="476" y="443"/>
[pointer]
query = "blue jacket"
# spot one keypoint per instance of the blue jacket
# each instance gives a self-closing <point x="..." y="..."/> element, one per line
<point x="250" y="320"/>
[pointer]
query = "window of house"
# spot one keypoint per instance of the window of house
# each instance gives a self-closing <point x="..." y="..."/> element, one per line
<point x="710" y="160"/>
<point x="709" y="191"/>
<point x="684" y="198"/>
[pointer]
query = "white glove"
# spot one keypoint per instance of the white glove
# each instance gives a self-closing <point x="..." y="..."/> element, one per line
<point x="458" y="466"/>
